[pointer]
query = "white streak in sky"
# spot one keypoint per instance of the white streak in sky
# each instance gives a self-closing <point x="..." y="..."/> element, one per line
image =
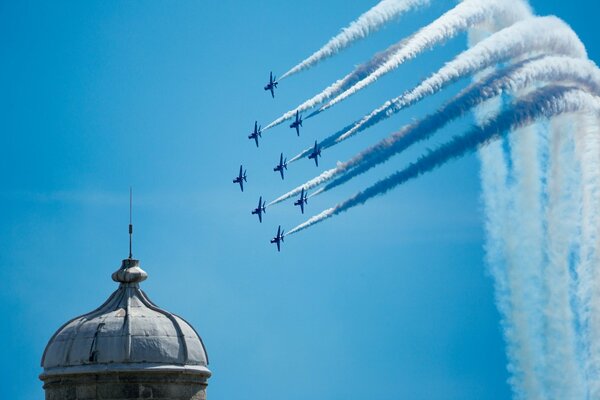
<point x="547" y="69"/>
<point x="546" y="102"/>
<point x="447" y="26"/>
<point x="465" y="15"/>
<point x="382" y="13"/>
<point x="587" y="142"/>
<point x="563" y="371"/>
<point x="512" y="42"/>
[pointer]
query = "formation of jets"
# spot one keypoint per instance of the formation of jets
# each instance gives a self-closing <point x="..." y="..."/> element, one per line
<point x="302" y="200"/>
<point x="281" y="166"/>
<point x="271" y="85"/>
<point x="241" y="178"/>
<point x="255" y="135"/>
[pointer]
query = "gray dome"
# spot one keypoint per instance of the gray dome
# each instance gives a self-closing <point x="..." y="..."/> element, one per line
<point x="127" y="333"/>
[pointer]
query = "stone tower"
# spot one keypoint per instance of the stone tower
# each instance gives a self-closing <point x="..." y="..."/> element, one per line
<point x="128" y="348"/>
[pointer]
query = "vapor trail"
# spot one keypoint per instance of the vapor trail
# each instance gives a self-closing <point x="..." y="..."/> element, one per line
<point x="494" y="176"/>
<point x="514" y="78"/>
<point x="367" y="23"/>
<point x="413" y="96"/>
<point x="582" y="72"/>
<point x="359" y="73"/>
<point x="444" y="28"/>
<point x="513" y="176"/>
<point x="587" y="142"/>
<point x="523" y="35"/>
<point x="526" y="257"/>
<point x="563" y="372"/>
<point x="546" y="102"/>
<point x="510" y="43"/>
<point x="497" y="201"/>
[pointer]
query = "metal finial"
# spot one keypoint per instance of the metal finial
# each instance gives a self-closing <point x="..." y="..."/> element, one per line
<point x="130" y="219"/>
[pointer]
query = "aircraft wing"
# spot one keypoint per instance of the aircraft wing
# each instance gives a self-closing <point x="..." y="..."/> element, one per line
<point x="281" y="172"/>
<point x="256" y="140"/>
<point x="297" y="130"/>
<point x="260" y="217"/>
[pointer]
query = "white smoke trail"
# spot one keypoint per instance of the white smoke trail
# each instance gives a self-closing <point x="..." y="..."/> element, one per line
<point x="514" y="228"/>
<point x="587" y="142"/>
<point x="523" y="34"/>
<point x="509" y="291"/>
<point x="494" y="175"/>
<point x="563" y="371"/>
<point x="369" y="22"/>
<point x="359" y="73"/>
<point x="548" y="69"/>
<point x="546" y="102"/>
<point x="399" y="103"/>
<point x="525" y="257"/>
<point x="515" y="41"/>
<point x="444" y="28"/>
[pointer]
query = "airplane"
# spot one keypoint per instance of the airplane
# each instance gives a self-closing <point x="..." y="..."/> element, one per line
<point x="315" y="154"/>
<point x="302" y="200"/>
<point x="297" y="123"/>
<point x="282" y="164"/>
<point x="241" y="178"/>
<point x="278" y="239"/>
<point x="261" y="209"/>
<point x="272" y="85"/>
<point x="256" y="134"/>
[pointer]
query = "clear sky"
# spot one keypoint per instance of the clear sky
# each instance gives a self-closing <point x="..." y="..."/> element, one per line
<point x="391" y="300"/>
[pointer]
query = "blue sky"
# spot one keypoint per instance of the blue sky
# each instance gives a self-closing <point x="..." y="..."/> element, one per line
<point x="391" y="300"/>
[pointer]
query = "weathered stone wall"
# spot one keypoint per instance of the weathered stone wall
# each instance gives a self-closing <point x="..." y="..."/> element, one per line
<point x="126" y="386"/>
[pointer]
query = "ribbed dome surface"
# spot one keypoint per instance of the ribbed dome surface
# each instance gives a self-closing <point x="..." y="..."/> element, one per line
<point x="128" y="332"/>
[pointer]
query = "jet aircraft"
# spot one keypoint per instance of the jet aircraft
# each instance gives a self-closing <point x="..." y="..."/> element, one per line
<point x="241" y="178"/>
<point x="302" y="200"/>
<point x="256" y="134"/>
<point x="261" y="209"/>
<point x="281" y="166"/>
<point x="316" y="153"/>
<point x="278" y="238"/>
<point x="297" y="123"/>
<point x="272" y="85"/>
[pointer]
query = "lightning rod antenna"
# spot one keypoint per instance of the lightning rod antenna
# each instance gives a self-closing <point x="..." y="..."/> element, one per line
<point x="130" y="219"/>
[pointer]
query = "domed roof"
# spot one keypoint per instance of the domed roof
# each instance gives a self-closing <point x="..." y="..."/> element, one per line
<point x="126" y="333"/>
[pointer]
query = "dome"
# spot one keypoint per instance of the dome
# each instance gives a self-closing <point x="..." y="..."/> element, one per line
<point x="126" y="333"/>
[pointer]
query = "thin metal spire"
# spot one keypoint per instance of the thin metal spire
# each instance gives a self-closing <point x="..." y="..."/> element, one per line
<point x="130" y="221"/>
